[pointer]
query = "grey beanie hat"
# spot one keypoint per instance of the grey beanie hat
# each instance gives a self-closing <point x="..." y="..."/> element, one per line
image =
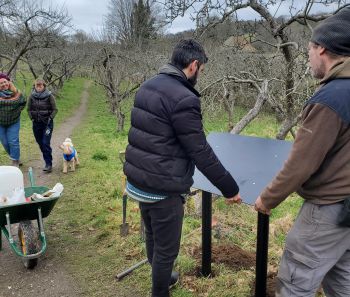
<point x="334" y="33"/>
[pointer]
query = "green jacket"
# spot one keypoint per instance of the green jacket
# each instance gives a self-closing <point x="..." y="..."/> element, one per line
<point x="10" y="109"/>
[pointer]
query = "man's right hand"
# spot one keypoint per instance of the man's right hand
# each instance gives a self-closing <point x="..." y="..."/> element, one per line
<point x="234" y="199"/>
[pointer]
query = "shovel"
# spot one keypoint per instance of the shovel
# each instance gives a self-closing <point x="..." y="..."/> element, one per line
<point x="124" y="228"/>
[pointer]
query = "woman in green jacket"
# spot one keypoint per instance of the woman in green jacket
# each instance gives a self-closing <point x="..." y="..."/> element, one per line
<point x="12" y="103"/>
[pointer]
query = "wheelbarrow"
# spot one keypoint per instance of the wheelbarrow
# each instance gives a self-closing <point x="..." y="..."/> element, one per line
<point x="31" y="244"/>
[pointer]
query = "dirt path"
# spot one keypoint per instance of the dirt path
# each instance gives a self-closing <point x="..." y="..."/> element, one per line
<point x="49" y="278"/>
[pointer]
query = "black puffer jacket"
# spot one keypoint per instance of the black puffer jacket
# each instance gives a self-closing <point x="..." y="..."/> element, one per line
<point x="41" y="106"/>
<point x="166" y="139"/>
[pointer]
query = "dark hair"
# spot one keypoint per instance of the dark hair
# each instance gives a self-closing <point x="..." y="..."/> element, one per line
<point x="186" y="51"/>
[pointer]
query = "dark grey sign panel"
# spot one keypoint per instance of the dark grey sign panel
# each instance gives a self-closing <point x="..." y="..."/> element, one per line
<point x="252" y="161"/>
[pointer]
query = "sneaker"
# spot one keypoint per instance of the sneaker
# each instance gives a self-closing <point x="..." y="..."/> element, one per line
<point x="47" y="168"/>
<point x="15" y="163"/>
<point x="174" y="279"/>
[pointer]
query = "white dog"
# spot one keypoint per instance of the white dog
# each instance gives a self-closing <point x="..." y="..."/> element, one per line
<point x="70" y="155"/>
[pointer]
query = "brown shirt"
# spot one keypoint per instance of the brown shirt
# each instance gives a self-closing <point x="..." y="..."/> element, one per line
<point x="318" y="166"/>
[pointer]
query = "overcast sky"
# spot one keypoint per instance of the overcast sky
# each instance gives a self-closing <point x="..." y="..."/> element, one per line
<point x="88" y="15"/>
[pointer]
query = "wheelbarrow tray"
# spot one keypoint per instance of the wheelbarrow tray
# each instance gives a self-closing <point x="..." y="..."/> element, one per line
<point x="26" y="211"/>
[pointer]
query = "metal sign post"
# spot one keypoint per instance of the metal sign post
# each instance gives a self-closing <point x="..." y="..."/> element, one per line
<point x="262" y="246"/>
<point x="206" y="233"/>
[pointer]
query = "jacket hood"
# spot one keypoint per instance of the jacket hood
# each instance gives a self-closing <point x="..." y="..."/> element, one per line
<point x="41" y="95"/>
<point x="172" y="70"/>
<point x="178" y="74"/>
<point x="340" y="70"/>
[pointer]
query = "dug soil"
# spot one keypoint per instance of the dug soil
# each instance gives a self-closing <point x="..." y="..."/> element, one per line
<point x="236" y="259"/>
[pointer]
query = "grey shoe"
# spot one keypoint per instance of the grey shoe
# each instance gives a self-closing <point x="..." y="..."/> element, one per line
<point x="47" y="168"/>
<point x="174" y="279"/>
<point x="16" y="163"/>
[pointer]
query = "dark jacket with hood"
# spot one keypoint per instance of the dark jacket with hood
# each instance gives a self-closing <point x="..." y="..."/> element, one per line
<point x="166" y="139"/>
<point x="41" y="106"/>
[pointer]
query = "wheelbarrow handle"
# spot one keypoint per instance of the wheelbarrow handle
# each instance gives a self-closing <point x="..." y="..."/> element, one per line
<point x="31" y="176"/>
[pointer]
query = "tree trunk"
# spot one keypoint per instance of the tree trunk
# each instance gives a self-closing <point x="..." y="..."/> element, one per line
<point x="251" y="115"/>
<point x="120" y="118"/>
<point x="286" y="126"/>
<point x="113" y="104"/>
<point x="228" y="108"/>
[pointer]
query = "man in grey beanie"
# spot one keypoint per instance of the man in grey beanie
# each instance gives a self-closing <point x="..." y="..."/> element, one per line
<point x="317" y="250"/>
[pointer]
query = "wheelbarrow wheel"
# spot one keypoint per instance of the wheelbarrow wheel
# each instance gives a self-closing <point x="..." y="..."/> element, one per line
<point x="28" y="238"/>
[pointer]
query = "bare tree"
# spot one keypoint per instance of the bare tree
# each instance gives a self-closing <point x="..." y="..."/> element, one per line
<point x="26" y="25"/>
<point x="55" y="65"/>
<point x="284" y="84"/>
<point x="132" y="22"/>
<point x="120" y="72"/>
<point x="113" y="71"/>
<point x="118" y="21"/>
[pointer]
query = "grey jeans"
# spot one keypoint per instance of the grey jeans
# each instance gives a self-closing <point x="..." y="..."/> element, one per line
<point x="317" y="251"/>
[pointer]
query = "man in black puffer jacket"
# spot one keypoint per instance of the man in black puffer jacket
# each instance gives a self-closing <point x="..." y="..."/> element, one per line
<point x="166" y="142"/>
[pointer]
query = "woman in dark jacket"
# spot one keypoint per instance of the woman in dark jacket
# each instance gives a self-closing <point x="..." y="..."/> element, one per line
<point x="42" y="110"/>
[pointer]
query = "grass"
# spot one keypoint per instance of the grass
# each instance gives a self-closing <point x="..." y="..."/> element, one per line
<point x="84" y="227"/>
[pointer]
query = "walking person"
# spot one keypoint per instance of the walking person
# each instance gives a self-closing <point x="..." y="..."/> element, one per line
<point x="317" y="249"/>
<point x="166" y="141"/>
<point x="12" y="102"/>
<point x="42" y="110"/>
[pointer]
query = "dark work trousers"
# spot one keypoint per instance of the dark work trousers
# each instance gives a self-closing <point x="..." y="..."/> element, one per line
<point x="44" y="139"/>
<point x="163" y="224"/>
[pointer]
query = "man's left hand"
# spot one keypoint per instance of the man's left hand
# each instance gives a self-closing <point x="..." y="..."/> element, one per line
<point x="260" y="207"/>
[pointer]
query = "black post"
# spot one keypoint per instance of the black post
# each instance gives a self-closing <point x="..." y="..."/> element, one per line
<point x="261" y="255"/>
<point x="206" y="233"/>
